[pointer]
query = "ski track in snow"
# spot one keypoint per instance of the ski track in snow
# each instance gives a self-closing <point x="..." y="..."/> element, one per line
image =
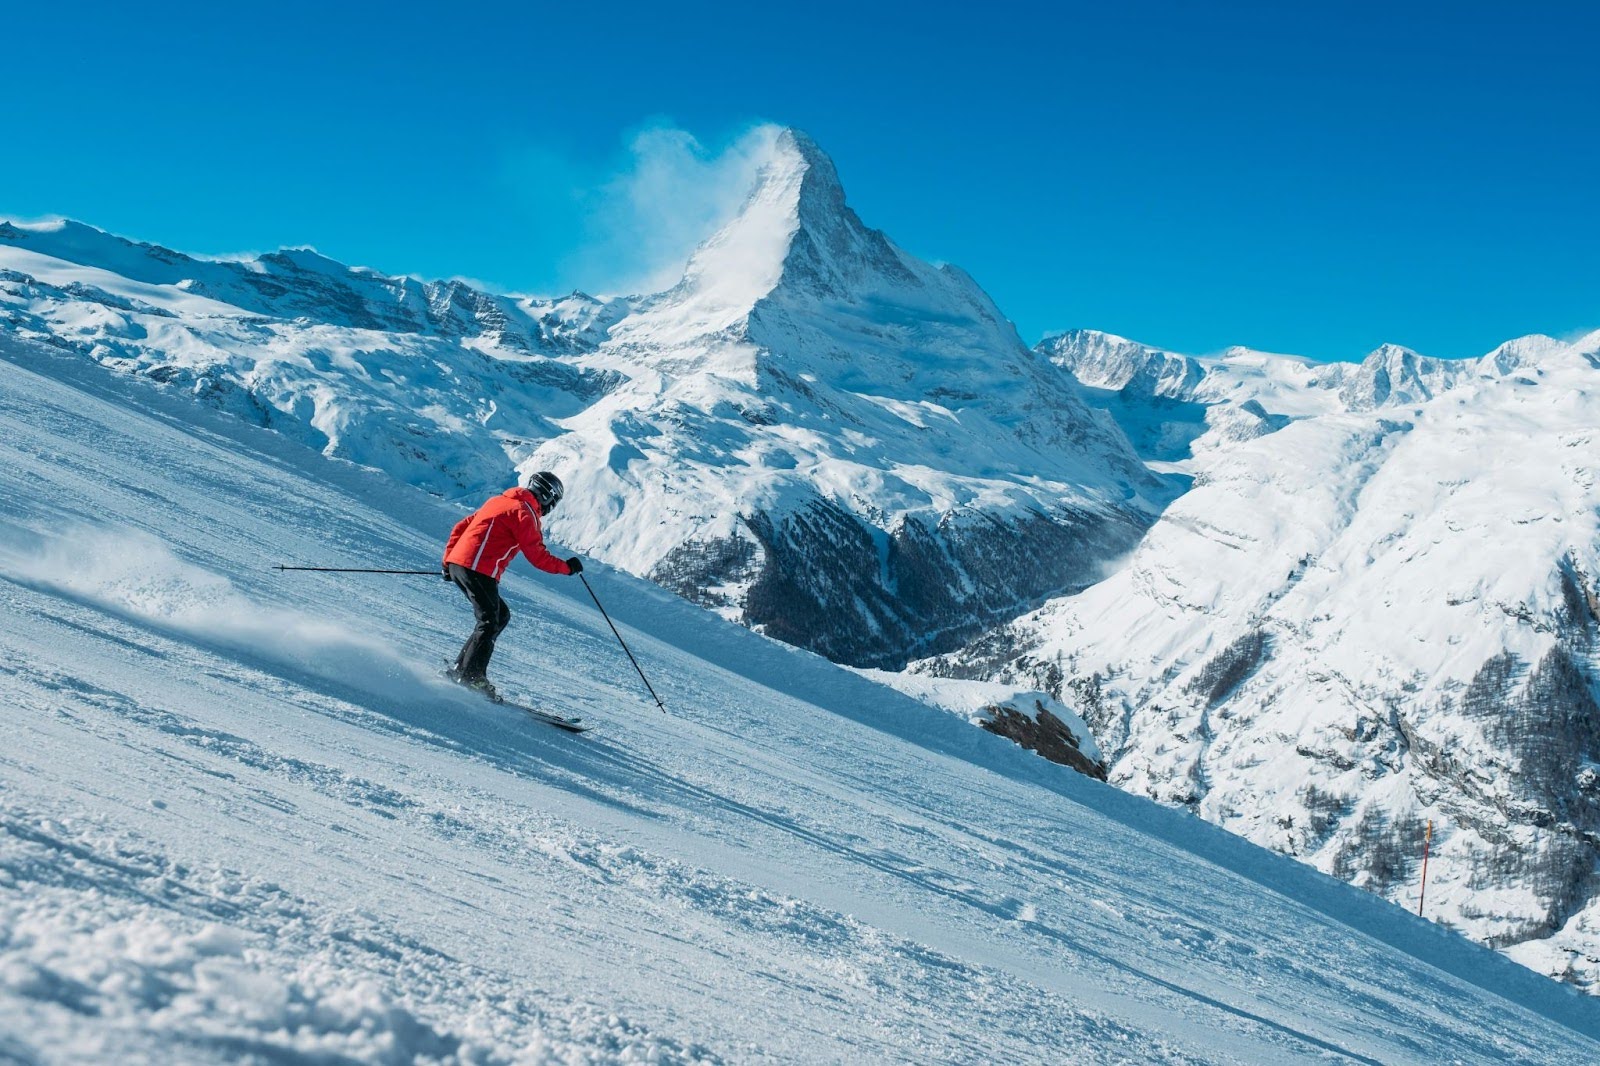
<point x="239" y="821"/>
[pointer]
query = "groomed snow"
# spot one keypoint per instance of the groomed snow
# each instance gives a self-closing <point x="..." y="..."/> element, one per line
<point x="240" y="822"/>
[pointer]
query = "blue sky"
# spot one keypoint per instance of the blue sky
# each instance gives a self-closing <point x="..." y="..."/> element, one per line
<point x="1307" y="178"/>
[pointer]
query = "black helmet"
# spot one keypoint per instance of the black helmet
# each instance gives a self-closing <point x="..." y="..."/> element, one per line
<point x="547" y="489"/>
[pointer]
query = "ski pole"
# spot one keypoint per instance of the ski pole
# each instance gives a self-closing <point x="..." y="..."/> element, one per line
<point x="624" y="643"/>
<point x="1427" y="843"/>
<point x="354" y="570"/>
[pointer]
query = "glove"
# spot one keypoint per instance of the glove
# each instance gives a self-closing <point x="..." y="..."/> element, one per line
<point x="574" y="565"/>
<point x="444" y="571"/>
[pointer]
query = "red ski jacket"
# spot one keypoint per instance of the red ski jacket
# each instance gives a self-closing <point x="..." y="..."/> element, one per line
<point x="490" y="537"/>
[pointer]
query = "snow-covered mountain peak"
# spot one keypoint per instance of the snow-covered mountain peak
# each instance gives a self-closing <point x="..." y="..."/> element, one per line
<point x="76" y="242"/>
<point x="1106" y="361"/>
<point x="797" y="289"/>
<point x="1395" y="376"/>
<point x="1388" y="352"/>
<point x="794" y="238"/>
<point x="811" y="376"/>
<point x="1537" y="353"/>
<point x="310" y="261"/>
<point x="153" y="264"/>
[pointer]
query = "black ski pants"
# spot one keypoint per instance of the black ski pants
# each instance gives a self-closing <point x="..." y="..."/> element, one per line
<point x="491" y="615"/>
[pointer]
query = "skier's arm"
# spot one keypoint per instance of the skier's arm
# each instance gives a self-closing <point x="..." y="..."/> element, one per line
<point x="531" y="540"/>
<point x="455" y="535"/>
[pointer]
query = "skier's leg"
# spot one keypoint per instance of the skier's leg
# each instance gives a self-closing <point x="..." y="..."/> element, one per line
<point x="489" y="613"/>
<point x="456" y="571"/>
<point x="494" y="626"/>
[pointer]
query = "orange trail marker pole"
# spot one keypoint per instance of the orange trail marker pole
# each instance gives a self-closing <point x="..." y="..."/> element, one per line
<point x="1427" y="842"/>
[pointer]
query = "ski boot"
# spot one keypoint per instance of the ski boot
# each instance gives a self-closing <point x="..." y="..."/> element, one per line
<point x="482" y="687"/>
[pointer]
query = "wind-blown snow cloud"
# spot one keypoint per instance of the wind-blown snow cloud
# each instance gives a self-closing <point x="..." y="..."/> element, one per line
<point x="672" y="193"/>
<point x="135" y="575"/>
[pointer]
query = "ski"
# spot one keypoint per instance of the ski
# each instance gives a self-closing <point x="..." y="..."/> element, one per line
<point x="571" y="725"/>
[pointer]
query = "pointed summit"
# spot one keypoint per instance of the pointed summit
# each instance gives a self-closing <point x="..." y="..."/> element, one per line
<point x="822" y="178"/>
<point x="844" y="405"/>
<point x="832" y="251"/>
<point x="1395" y="376"/>
<point x="794" y="238"/>
<point x="796" y="277"/>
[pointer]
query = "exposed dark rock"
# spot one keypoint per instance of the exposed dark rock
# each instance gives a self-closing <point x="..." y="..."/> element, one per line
<point x="831" y="582"/>
<point x="1045" y="734"/>
<point x="1580" y="602"/>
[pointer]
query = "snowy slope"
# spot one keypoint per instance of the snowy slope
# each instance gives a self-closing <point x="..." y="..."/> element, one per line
<point x="813" y="432"/>
<point x="239" y="823"/>
<point x="1365" y="619"/>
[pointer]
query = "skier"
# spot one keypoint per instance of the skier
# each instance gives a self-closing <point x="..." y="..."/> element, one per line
<point x="481" y="546"/>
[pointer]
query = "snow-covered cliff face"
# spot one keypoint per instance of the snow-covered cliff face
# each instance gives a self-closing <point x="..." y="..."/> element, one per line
<point x="1365" y="619"/>
<point x="813" y="432"/>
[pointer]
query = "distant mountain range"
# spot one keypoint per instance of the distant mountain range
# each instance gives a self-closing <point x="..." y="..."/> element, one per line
<point x="1377" y="606"/>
